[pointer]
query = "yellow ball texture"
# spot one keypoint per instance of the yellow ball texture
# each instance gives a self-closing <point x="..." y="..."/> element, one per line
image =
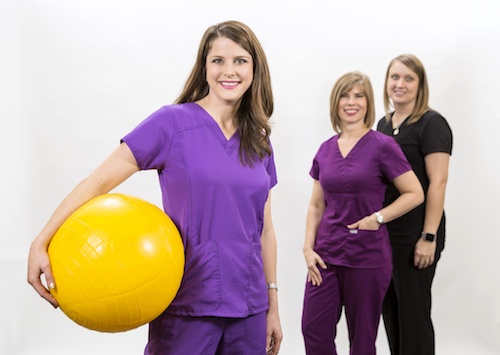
<point x="118" y="262"/>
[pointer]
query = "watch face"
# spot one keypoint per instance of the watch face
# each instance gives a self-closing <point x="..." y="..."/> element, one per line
<point x="429" y="237"/>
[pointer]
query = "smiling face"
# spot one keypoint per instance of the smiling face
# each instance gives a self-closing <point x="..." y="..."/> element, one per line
<point x="402" y="85"/>
<point x="352" y="107"/>
<point x="229" y="71"/>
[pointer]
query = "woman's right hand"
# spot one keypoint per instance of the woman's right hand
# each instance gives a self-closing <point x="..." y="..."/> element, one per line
<point x="38" y="264"/>
<point x="313" y="260"/>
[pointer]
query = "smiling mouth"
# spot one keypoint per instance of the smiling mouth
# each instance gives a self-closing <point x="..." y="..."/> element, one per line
<point x="229" y="84"/>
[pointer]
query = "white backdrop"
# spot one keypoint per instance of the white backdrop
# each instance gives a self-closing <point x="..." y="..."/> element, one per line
<point x="75" y="76"/>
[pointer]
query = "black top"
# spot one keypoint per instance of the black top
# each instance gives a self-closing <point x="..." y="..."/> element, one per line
<point x="430" y="134"/>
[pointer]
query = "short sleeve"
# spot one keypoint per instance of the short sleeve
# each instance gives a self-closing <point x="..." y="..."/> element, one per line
<point x="271" y="169"/>
<point x="150" y="141"/>
<point x="315" y="168"/>
<point x="436" y="135"/>
<point x="314" y="171"/>
<point x="393" y="162"/>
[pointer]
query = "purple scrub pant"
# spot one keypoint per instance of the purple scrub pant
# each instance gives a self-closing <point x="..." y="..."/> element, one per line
<point x="361" y="293"/>
<point x="174" y="335"/>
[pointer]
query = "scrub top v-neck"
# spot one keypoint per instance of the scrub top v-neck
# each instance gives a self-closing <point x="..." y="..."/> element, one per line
<point x="229" y="144"/>
<point x="216" y="202"/>
<point x="353" y="188"/>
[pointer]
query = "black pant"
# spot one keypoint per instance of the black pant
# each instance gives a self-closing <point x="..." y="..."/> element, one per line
<point x="407" y="304"/>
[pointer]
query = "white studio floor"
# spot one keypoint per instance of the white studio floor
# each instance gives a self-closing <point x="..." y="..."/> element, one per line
<point x="31" y="327"/>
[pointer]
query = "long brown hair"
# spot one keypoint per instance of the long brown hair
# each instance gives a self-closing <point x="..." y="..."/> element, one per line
<point x="257" y="104"/>
<point x="422" y="101"/>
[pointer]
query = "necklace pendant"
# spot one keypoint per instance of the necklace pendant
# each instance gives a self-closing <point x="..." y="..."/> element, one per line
<point x="396" y="131"/>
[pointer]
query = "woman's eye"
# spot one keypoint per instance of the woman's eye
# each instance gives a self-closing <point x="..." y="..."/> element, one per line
<point x="409" y="78"/>
<point x="241" y="61"/>
<point x="217" y="61"/>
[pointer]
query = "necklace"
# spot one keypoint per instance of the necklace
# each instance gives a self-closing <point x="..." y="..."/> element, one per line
<point x="395" y="131"/>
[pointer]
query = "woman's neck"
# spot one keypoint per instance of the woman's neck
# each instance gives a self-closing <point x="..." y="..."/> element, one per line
<point x="224" y="115"/>
<point x="401" y="112"/>
<point x="353" y="132"/>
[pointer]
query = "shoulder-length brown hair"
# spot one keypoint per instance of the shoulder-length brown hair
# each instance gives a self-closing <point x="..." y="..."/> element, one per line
<point x="344" y="84"/>
<point x="422" y="101"/>
<point x="257" y="103"/>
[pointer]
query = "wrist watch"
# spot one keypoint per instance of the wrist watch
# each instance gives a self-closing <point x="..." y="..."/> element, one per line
<point x="380" y="218"/>
<point x="271" y="286"/>
<point x="428" y="237"/>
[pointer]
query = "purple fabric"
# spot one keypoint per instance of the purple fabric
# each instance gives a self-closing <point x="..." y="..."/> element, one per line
<point x="354" y="187"/>
<point x="361" y="292"/>
<point x="217" y="204"/>
<point x="176" y="335"/>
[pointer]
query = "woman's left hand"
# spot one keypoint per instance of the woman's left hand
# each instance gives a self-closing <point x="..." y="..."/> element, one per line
<point x="274" y="333"/>
<point x="424" y="253"/>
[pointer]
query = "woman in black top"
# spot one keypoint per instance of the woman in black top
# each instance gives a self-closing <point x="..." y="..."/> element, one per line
<point x="418" y="237"/>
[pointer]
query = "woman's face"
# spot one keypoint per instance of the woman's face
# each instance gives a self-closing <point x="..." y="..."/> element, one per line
<point x="229" y="70"/>
<point x="352" y="106"/>
<point x="402" y="85"/>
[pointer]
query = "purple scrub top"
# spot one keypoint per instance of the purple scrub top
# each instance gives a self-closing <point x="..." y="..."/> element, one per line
<point x="216" y="202"/>
<point x="353" y="188"/>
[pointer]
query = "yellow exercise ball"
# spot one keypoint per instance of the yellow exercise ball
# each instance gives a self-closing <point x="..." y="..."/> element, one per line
<point x="118" y="262"/>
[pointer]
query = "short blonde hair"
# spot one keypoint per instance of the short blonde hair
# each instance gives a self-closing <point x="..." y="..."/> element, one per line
<point x="344" y="84"/>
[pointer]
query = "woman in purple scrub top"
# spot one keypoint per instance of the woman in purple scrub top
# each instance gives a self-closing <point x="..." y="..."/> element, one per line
<point x="347" y="248"/>
<point x="216" y="169"/>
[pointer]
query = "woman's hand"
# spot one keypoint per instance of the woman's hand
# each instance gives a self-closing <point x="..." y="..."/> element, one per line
<point x="424" y="253"/>
<point x="38" y="264"/>
<point x="274" y="333"/>
<point x="366" y="223"/>
<point x="312" y="261"/>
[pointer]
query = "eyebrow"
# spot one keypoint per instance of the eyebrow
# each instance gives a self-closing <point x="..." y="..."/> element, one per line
<point x="222" y="56"/>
